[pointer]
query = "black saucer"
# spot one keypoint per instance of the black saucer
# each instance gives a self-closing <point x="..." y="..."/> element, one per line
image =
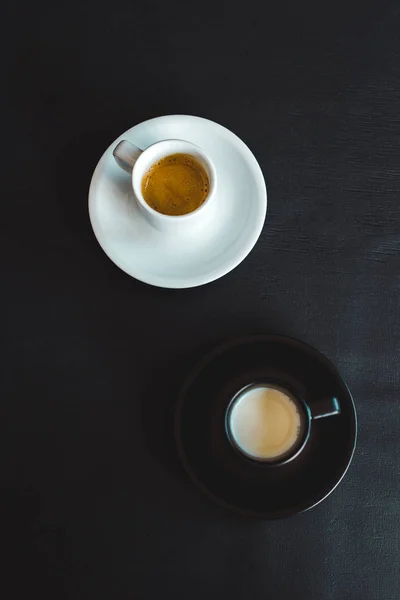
<point x="246" y="486"/>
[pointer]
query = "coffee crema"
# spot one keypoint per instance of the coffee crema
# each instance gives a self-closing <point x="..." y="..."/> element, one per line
<point x="265" y="423"/>
<point x="176" y="185"/>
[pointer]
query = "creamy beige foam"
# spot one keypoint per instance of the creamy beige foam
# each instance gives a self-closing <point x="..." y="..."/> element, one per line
<point x="265" y="422"/>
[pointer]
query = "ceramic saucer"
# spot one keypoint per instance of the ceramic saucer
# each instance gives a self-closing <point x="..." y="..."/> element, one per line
<point x="231" y="479"/>
<point x="201" y="256"/>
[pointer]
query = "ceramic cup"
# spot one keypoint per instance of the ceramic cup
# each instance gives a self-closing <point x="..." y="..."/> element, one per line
<point x="311" y="470"/>
<point x="137" y="162"/>
<point x="322" y="408"/>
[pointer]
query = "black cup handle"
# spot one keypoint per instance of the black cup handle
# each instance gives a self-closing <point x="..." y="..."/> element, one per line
<point x="326" y="407"/>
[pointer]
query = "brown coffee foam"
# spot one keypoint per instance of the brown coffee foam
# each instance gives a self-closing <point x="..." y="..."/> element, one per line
<point x="176" y="185"/>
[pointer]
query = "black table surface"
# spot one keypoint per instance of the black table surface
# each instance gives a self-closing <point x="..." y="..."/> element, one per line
<point x="93" y="501"/>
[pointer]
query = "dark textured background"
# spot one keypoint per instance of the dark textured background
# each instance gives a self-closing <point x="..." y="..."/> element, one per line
<point x="93" y="504"/>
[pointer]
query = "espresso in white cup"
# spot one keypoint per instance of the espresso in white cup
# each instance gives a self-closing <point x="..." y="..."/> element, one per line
<point x="139" y="162"/>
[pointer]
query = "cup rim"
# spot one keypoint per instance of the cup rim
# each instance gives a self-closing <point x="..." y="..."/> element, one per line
<point x="292" y="452"/>
<point x="177" y="218"/>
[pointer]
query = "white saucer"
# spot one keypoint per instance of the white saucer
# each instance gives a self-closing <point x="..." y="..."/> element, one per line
<point x="196" y="258"/>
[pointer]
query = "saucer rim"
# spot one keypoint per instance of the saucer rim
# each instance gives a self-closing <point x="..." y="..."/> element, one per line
<point x="232" y="262"/>
<point x="196" y="371"/>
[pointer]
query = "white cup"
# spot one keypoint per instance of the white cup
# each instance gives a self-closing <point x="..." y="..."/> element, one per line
<point x="137" y="162"/>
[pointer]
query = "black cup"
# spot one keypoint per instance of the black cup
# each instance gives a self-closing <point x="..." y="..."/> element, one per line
<point x="296" y="482"/>
<point x="326" y="407"/>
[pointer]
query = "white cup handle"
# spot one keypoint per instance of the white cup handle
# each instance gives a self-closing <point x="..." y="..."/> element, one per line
<point x="126" y="154"/>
